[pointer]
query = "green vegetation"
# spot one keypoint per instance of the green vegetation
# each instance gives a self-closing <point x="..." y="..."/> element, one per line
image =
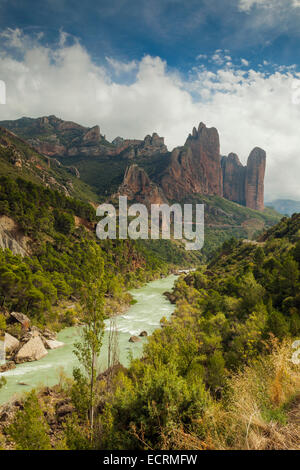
<point x="88" y="348"/>
<point x="104" y="174"/>
<point x="18" y="159"/>
<point x="225" y="219"/>
<point x="63" y="253"/>
<point x="219" y="375"/>
<point x="29" y="429"/>
<point x="216" y="345"/>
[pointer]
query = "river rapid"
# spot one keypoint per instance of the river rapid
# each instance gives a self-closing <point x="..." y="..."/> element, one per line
<point x="151" y="305"/>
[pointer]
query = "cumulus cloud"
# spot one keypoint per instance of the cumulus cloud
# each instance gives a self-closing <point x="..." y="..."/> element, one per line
<point x="249" y="107"/>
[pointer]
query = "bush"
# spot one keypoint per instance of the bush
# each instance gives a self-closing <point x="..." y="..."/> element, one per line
<point x="29" y="429"/>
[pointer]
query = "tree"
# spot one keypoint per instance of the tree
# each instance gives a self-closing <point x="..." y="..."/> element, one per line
<point x="88" y="349"/>
<point x="64" y="222"/>
<point x="216" y="371"/>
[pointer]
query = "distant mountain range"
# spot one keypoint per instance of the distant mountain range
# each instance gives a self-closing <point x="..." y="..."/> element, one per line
<point x="285" y="206"/>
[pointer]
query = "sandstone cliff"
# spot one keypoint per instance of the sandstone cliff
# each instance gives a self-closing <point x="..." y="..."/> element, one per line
<point x="12" y="238"/>
<point x="52" y="136"/>
<point x="254" y="188"/>
<point x="234" y="178"/>
<point x="196" y="167"/>
<point x="133" y="148"/>
<point x="137" y="186"/>
<point x="245" y="184"/>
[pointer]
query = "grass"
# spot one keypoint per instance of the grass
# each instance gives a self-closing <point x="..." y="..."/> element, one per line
<point x="262" y="407"/>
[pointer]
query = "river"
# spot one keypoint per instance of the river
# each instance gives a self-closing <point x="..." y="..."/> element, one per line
<point x="151" y="305"/>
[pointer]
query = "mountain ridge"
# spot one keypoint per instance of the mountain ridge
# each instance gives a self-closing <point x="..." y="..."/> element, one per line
<point x="195" y="168"/>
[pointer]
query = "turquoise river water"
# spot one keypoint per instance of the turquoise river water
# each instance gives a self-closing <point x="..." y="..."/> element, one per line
<point x="151" y="305"/>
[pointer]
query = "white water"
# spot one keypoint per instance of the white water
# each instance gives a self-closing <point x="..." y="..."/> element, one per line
<point x="145" y="314"/>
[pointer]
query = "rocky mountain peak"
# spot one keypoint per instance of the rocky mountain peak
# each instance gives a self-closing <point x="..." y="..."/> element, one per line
<point x="53" y="136"/>
<point x="155" y="140"/>
<point x="93" y="135"/>
<point x="196" y="167"/>
<point x="118" y="141"/>
<point x="234" y="174"/>
<point x="245" y="184"/>
<point x="149" y="146"/>
<point x="138" y="186"/>
<point x="234" y="159"/>
<point x="256" y="166"/>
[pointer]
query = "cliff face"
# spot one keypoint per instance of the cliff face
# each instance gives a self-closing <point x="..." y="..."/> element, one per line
<point x="12" y="238"/>
<point x="132" y="148"/>
<point x="23" y="160"/>
<point x="245" y="184"/>
<point x="234" y="178"/>
<point x="52" y="136"/>
<point x="138" y="186"/>
<point x="254" y="188"/>
<point x="196" y="167"/>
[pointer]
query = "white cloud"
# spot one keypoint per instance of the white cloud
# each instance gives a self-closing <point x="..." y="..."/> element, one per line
<point x="245" y="62"/>
<point x="121" y="67"/>
<point x="218" y="59"/>
<point x="248" y="107"/>
<point x="246" y="5"/>
<point x="13" y="38"/>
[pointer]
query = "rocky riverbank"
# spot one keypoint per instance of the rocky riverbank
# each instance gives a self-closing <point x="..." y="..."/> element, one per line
<point x="29" y="342"/>
<point x="148" y="306"/>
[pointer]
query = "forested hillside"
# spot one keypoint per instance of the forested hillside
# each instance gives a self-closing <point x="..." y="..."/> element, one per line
<point x="219" y="375"/>
<point x="233" y="326"/>
<point x="63" y="252"/>
<point x="94" y="177"/>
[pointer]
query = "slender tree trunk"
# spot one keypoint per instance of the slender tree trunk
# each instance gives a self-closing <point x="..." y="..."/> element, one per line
<point x="92" y="396"/>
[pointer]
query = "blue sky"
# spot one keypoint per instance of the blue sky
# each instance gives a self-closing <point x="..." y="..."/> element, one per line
<point x="175" y="30"/>
<point x="137" y="66"/>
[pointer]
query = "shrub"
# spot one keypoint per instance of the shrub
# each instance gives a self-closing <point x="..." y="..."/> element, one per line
<point x="29" y="429"/>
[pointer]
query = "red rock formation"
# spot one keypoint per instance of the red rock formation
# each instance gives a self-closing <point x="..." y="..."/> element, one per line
<point x="234" y="174"/>
<point x="92" y="136"/>
<point x="48" y="148"/>
<point x="196" y="167"/>
<point x="245" y="184"/>
<point x="138" y="187"/>
<point x="131" y="148"/>
<point x="254" y="188"/>
<point x="52" y="136"/>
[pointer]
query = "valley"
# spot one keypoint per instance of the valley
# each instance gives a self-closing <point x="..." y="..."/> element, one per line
<point x="167" y="363"/>
<point x="145" y="315"/>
